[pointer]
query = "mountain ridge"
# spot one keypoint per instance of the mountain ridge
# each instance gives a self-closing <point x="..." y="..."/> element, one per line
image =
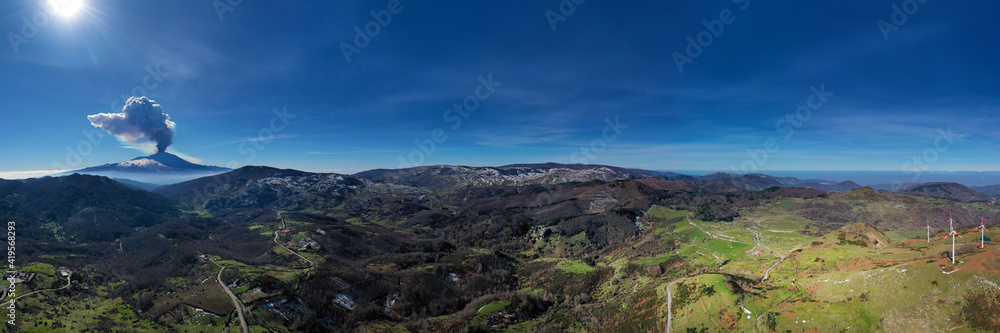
<point x="953" y="191"/>
<point x="162" y="169"/>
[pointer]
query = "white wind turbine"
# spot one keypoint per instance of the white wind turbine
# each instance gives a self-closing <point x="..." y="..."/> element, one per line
<point x="952" y="233"/>
<point x="928" y="231"/>
<point x="982" y="236"/>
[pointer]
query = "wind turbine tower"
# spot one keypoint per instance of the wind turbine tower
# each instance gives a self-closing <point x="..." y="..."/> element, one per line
<point x="952" y="234"/>
<point x="928" y="231"/>
<point x="982" y="237"/>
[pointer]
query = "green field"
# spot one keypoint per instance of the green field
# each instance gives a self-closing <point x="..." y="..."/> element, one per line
<point x="489" y="309"/>
<point x="837" y="287"/>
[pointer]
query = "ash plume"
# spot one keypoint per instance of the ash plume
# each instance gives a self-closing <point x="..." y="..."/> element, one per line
<point x="141" y="121"/>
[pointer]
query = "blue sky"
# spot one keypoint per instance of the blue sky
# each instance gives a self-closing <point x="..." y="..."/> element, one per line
<point x="223" y="77"/>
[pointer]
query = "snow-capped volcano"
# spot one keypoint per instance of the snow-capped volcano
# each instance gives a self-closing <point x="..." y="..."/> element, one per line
<point x="160" y="168"/>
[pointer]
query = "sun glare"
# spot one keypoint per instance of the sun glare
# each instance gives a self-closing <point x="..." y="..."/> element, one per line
<point x="66" y="8"/>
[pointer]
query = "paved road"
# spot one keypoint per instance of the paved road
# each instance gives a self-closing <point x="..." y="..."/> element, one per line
<point x="768" y="271"/>
<point x="290" y="250"/>
<point x="756" y="239"/>
<point x="38" y="291"/>
<point x="670" y="310"/>
<point x="236" y="301"/>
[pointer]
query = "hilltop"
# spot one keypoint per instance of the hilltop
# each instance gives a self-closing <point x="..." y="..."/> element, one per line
<point x="947" y="190"/>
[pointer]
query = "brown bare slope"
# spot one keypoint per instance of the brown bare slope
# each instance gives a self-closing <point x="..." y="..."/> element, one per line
<point x="862" y="234"/>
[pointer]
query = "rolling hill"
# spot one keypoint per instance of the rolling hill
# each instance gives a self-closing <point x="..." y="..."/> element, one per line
<point x="83" y="207"/>
<point x="947" y="191"/>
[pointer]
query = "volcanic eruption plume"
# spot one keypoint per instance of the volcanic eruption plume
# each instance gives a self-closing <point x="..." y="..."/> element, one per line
<point x="141" y="121"/>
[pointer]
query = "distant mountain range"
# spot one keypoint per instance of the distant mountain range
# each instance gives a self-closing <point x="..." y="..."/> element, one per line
<point x="157" y="169"/>
<point x="992" y="189"/>
<point x="151" y="172"/>
<point x="947" y="190"/>
<point x="448" y="178"/>
<point x="443" y="177"/>
<point x="759" y="182"/>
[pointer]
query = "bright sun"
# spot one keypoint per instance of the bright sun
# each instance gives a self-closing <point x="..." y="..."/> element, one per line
<point x="66" y="7"/>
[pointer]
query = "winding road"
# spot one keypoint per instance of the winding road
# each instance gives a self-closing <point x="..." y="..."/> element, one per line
<point x="236" y="302"/>
<point x="290" y="250"/>
<point x="768" y="271"/>
<point x="756" y="239"/>
<point x="38" y="291"/>
<point x="670" y="312"/>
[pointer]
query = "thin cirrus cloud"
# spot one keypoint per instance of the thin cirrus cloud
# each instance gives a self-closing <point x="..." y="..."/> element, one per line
<point x="358" y="151"/>
<point x="258" y="138"/>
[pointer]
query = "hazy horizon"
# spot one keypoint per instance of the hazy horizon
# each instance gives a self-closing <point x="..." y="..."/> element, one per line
<point x="861" y="177"/>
